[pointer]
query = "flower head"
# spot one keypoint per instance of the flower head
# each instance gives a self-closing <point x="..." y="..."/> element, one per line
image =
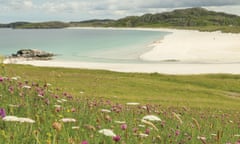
<point x="117" y="138"/>
<point x="107" y="132"/>
<point x="84" y="142"/>
<point x="68" y="120"/>
<point x="2" y="112"/>
<point x="151" y="118"/>
<point x="1" y="79"/>
<point x="124" y="126"/>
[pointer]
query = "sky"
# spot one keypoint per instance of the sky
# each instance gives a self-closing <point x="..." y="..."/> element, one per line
<point x="79" y="10"/>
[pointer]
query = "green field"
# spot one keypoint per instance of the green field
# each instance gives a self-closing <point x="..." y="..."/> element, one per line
<point x="193" y="108"/>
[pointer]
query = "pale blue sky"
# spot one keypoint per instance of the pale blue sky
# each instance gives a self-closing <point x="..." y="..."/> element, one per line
<point x="78" y="10"/>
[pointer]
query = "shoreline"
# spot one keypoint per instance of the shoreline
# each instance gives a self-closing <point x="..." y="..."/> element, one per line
<point x="184" y="52"/>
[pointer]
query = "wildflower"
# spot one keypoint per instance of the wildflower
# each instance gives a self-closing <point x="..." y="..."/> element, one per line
<point x="57" y="126"/>
<point x="2" y="112"/>
<point x="124" y="126"/>
<point x="120" y="122"/>
<point x="18" y="119"/>
<point x="147" y="131"/>
<point x="27" y="120"/>
<point x="26" y="87"/>
<point x="1" y="79"/>
<point x="133" y="103"/>
<point x="84" y="142"/>
<point x="75" y="127"/>
<point x="117" y="138"/>
<point x="143" y="135"/>
<point x="151" y="118"/>
<point x="105" y="110"/>
<point x="73" y="110"/>
<point x="177" y="133"/>
<point x="68" y="120"/>
<point x="107" y="132"/>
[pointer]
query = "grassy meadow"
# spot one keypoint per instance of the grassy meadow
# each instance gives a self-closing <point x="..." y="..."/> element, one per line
<point x="79" y="106"/>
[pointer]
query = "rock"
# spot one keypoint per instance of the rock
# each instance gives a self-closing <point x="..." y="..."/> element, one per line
<point x="33" y="53"/>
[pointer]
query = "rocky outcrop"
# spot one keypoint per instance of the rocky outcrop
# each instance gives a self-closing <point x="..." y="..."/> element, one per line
<point x="34" y="54"/>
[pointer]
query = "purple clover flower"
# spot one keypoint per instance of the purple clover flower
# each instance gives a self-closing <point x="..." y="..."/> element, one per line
<point x="2" y="112"/>
<point x="124" y="126"/>
<point x="117" y="138"/>
<point x="84" y="142"/>
<point x="1" y="79"/>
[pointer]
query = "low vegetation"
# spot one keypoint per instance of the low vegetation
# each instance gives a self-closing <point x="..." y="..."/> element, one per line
<point x="191" y="18"/>
<point x="57" y="105"/>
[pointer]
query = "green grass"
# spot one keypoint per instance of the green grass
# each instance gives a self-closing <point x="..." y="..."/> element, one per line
<point x="200" y="91"/>
<point x="192" y="108"/>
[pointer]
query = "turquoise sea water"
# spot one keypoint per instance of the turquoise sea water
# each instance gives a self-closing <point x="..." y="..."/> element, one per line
<point x="94" y="45"/>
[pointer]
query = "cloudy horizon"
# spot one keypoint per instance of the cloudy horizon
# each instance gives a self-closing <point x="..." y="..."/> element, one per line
<point x="79" y="10"/>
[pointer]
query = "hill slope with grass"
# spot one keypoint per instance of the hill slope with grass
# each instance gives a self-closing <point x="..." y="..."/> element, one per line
<point x="191" y="18"/>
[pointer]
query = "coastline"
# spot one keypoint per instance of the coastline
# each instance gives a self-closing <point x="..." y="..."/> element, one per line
<point x="218" y="50"/>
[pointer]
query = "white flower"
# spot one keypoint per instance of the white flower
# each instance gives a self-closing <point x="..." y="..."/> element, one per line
<point x="57" y="106"/>
<point x="27" y="120"/>
<point x="132" y="103"/>
<point x="141" y="125"/>
<point x="68" y="120"/>
<point x="59" y="101"/>
<point x="237" y="135"/>
<point x="15" y="78"/>
<point x="10" y="118"/>
<point x="120" y="122"/>
<point x="18" y="119"/>
<point x="75" y="127"/>
<point x="11" y="105"/>
<point x="151" y="118"/>
<point x="63" y="100"/>
<point x="107" y="132"/>
<point x="143" y="135"/>
<point x="26" y="87"/>
<point x="105" y="110"/>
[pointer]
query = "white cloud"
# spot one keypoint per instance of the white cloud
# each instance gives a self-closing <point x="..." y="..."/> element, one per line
<point x="67" y="10"/>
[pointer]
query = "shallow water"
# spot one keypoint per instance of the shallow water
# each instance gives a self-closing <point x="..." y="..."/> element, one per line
<point x="90" y="45"/>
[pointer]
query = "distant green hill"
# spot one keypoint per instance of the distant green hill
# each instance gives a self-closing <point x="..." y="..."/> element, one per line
<point x="191" y="18"/>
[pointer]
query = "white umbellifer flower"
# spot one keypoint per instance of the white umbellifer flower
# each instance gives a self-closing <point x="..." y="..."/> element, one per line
<point x="132" y="103"/>
<point x="18" y="119"/>
<point x="75" y="127"/>
<point x="120" y="122"/>
<point x="143" y="135"/>
<point x="237" y="135"/>
<point x="15" y="78"/>
<point x="68" y="120"/>
<point x="151" y="118"/>
<point x="27" y="120"/>
<point x="59" y="101"/>
<point x="57" y="106"/>
<point x="141" y="125"/>
<point x="63" y="100"/>
<point x="107" y="132"/>
<point x="105" y="110"/>
<point x="26" y="87"/>
<point x="10" y="118"/>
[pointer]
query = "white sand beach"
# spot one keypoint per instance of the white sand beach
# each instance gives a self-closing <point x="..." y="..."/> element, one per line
<point x="192" y="52"/>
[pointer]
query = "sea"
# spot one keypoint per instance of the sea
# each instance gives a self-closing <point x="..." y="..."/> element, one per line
<point x="85" y="45"/>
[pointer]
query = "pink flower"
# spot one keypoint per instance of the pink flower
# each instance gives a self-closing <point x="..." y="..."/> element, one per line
<point x="116" y="138"/>
<point x="147" y="131"/>
<point x="84" y="142"/>
<point x="177" y="132"/>
<point x="124" y="126"/>
<point x="1" y="79"/>
<point x="2" y="112"/>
